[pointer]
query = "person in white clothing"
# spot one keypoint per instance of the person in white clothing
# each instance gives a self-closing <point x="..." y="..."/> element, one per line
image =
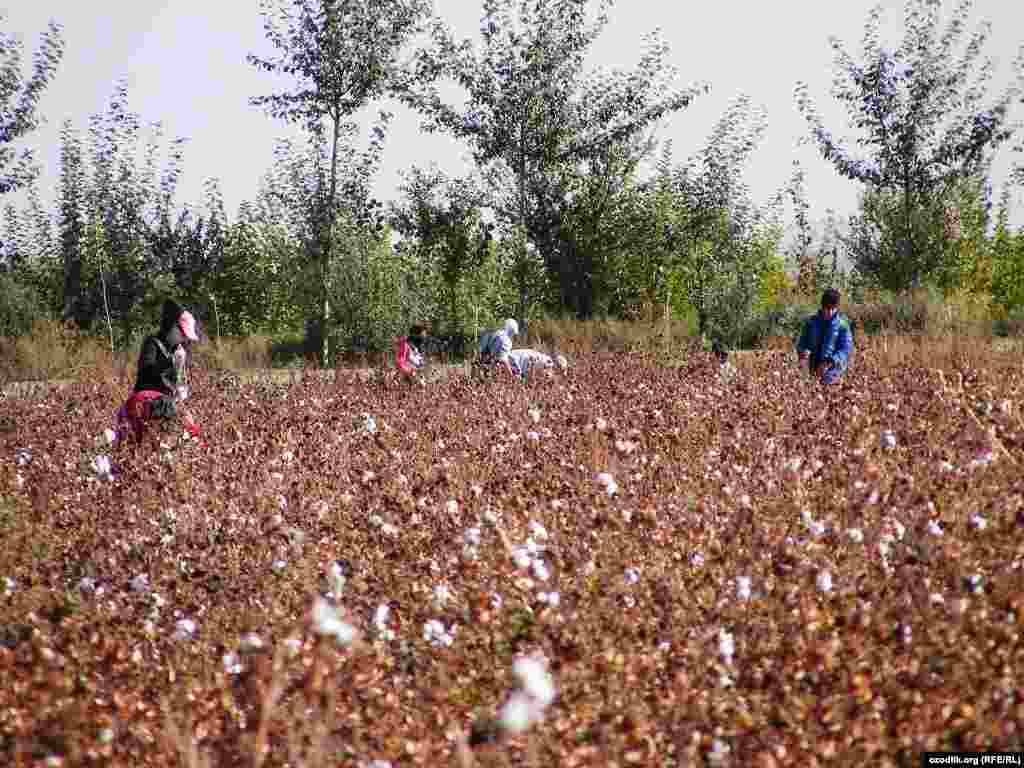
<point x="527" y="360"/>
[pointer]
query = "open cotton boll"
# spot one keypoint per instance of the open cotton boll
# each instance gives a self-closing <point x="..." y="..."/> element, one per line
<point x="743" y="587"/>
<point x="535" y="680"/>
<point x="518" y="713"/>
<point x="824" y="582"/>
<point x="326" y="621"/>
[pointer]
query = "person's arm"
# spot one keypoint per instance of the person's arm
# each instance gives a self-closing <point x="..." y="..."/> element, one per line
<point x="803" y="345"/>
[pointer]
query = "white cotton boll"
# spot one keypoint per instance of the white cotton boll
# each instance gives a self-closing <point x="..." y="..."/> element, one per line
<point x="978" y="522"/>
<point x="937" y="599"/>
<point x="719" y="752"/>
<point x="369" y="424"/>
<point x="10" y="585"/>
<point x="452" y="507"/>
<point x="518" y="713"/>
<point x="632" y="575"/>
<point x="590" y="568"/>
<point x="550" y="598"/>
<point x="389" y="530"/>
<point x="535" y="680"/>
<point x="278" y="566"/>
<point x="532" y="436"/>
<point x="110" y="436"/>
<point x="743" y="587"/>
<point x="974" y="583"/>
<point x="22" y="458"/>
<point x="140" y="584"/>
<point x="697" y="560"/>
<point x="540" y="571"/>
<point x="888" y="439"/>
<point x="899" y="529"/>
<point x="856" y="535"/>
<point x="726" y="645"/>
<point x="232" y="664"/>
<point x="435" y="633"/>
<point x="326" y="621"/>
<point x="472" y="536"/>
<point x="935" y="529"/>
<point x="824" y="582"/>
<point x="251" y="642"/>
<point x="532" y="547"/>
<point x="102" y="467"/>
<point x="497" y="601"/>
<point x="534" y="415"/>
<point x="538" y="531"/>
<point x="379" y="764"/>
<point x="522" y="559"/>
<point x="442" y="596"/>
<point x="816" y="528"/>
<point x="600" y="424"/>
<point x="184" y="629"/>
<point x="335" y="579"/>
<point x="380" y="622"/>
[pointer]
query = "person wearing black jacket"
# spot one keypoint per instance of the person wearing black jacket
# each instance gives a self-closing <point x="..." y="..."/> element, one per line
<point x="161" y="382"/>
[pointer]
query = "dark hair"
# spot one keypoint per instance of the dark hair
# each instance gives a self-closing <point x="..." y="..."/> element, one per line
<point x="830" y="298"/>
<point x="417" y="330"/>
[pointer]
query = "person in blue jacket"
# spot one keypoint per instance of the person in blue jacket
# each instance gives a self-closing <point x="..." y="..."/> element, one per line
<point x="826" y="340"/>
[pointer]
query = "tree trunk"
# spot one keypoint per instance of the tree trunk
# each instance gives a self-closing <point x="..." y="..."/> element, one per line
<point x="327" y="244"/>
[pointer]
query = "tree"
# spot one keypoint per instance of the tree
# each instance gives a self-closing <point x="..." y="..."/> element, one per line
<point x="343" y="54"/>
<point x="926" y="124"/>
<point x="442" y="216"/>
<point x="715" y="234"/>
<point x="19" y="101"/>
<point x="532" y="110"/>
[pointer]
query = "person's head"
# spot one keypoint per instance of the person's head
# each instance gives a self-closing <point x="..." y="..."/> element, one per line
<point x="830" y="302"/>
<point x="177" y="323"/>
<point x="417" y="333"/>
<point x="511" y="327"/>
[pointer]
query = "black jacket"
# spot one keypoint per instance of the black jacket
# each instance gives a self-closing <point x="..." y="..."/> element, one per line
<point x="156" y="360"/>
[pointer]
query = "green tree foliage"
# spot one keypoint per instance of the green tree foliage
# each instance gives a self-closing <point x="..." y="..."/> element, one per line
<point x="19" y="101"/>
<point x="342" y="54"/>
<point x="717" y="241"/>
<point x="532" y="109"/>
<point x="441" y="219"/>
<point x="926" y="122"/>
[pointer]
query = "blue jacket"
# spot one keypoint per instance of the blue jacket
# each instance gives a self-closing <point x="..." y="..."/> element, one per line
<point x="826" y="340"/>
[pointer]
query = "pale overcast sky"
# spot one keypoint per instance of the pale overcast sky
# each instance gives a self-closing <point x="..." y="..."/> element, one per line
<point x="185" y="60"/>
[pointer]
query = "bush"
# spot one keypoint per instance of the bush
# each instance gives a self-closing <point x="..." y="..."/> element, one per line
<point x="20" y="307"/>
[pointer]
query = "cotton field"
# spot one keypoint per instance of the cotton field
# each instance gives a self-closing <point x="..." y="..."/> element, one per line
<point x="628" y="564"/>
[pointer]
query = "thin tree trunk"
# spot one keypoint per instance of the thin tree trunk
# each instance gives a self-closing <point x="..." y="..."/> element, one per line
<point x="327" y="239"/>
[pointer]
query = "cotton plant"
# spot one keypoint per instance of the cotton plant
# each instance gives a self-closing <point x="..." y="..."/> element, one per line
<point x="334" y="580"/>
<point x="607" y="482"/>
<point x="103" y="467"/>
<point x="743" y="586"/>
<point x="380" y="623"/>
<point x="435" y="633"/>
<point x="442" y="597"/>
<point x="327" y="622"/>
<point x="529" y="701"/>
<point x="184" y="629"/>
<point x="824" y="582"/>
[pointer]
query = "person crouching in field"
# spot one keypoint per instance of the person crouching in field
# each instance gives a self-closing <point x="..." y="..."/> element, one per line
<point x="408" y="355"/>
<point x="496" y="348"/>
<point x="161" y="385"/>
<point x="826" y="340"/>
<point x="528" y="360"/>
